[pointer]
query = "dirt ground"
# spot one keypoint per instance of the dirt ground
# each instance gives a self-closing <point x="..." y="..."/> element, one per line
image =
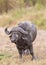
<point x="9" y="54"/>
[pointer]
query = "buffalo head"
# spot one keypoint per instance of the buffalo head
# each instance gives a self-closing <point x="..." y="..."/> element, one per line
<point x="15" y="33"/>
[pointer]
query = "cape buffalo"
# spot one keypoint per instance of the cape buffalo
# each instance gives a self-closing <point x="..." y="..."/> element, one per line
<point x="23" y="35"/>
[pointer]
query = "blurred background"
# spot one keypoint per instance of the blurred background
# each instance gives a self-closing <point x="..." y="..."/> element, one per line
<point x="13" y="12"/>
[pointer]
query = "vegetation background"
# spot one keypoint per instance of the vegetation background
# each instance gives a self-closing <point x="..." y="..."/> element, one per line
<point x="13" y="12"/>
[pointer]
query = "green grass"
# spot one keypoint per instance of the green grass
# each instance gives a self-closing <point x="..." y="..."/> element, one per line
<point x="31" y="14"/>
<point x="18" y="13"/>
<point x="41" y="24"/>
<point x="1" y="56"/>
<point x="5" y="55"/>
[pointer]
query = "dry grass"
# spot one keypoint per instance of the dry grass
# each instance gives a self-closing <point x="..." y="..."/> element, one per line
<point x="9" y="54"/>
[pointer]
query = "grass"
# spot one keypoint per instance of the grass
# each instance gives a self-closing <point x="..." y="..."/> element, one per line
<point x="1" y="56"/>
<point x="14" y="60"/>
<point x="41" y="23"/>
<point x="9" y="54"/>
<point x="37" y="16"/>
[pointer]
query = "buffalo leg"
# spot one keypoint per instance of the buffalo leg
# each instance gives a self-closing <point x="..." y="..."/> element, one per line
<point x="20" y="53"/>
<point x="31" y="52"/>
